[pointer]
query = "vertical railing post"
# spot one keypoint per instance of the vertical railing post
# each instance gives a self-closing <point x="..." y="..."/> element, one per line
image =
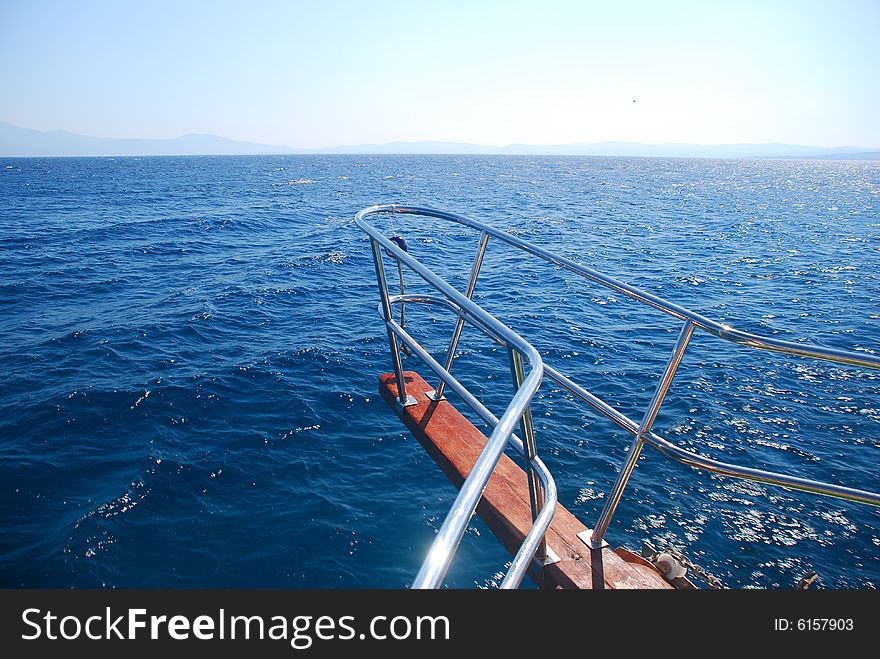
<point x="437" y="394"/>
<point x="402" y="399"/>
<point x="536" y="492"/>
<point x="597" y="534"/>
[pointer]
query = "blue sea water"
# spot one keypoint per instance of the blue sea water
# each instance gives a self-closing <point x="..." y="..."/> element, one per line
<point x="191" y="349"/>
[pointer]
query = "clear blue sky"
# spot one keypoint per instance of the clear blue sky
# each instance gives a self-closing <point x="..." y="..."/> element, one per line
<point x="325" y="73"/>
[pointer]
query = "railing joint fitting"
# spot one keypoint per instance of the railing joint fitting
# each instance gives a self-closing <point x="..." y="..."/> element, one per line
<point x="587" y="538"/>
<point x="410" y="401"/>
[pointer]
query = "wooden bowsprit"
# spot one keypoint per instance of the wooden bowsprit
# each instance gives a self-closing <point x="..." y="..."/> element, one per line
<point x="455" y="444"/>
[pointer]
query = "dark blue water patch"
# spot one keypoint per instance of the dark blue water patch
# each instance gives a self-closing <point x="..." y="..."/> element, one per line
<point x="192" y="348"/>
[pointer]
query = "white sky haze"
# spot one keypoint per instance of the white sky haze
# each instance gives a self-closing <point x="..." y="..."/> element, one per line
<point x="329" y="73"/>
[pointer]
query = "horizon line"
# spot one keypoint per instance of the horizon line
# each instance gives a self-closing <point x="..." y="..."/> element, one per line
<point x="441" y="142"/>
<point x="21" y="142"/>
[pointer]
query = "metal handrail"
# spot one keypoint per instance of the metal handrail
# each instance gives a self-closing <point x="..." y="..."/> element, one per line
<point x="721" y="330"/>
<point x="472" y="313"/>
<point x="435" y="566"/>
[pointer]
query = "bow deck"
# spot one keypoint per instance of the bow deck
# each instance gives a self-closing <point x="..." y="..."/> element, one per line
<point x="455" y="443"/>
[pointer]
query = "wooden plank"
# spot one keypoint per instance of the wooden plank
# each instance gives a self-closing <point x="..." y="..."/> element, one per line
<point x="455" y="444"/>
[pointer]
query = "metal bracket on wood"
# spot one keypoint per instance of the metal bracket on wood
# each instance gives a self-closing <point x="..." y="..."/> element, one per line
<point x="410" y="400"/>
<point x="550" y="557"/>
<point x="587" y="538"/>
<point x="431" y="394"/>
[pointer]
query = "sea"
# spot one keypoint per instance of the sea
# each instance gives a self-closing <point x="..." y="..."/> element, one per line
<point x="192" y="345"/>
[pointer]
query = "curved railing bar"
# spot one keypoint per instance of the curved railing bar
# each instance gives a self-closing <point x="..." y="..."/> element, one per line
<point x="436" y="564"/>
<point x="529" y="546"/>
<point x="474" y="310"/>
<point x="721" y="330"/>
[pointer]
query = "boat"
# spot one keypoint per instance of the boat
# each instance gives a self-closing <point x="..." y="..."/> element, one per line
<point x="519" y="503"/>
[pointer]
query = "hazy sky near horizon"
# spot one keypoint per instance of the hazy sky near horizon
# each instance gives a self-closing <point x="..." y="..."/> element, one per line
<point x="329" y="73"/>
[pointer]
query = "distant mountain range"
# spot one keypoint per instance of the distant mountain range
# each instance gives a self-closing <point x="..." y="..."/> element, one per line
<point x="16" y="141"/>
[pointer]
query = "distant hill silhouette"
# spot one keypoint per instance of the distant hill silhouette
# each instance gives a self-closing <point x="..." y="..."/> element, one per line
<point x="16" y="141"/>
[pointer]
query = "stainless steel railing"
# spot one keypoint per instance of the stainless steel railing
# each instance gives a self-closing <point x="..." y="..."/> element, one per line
<point x="449" y="537"/>
<point x="544" y="500"/>
<point x="541" y="483"/>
